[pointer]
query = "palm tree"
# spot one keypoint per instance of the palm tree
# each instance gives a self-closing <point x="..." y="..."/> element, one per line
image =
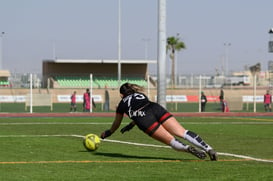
<point x="174" y="44"/>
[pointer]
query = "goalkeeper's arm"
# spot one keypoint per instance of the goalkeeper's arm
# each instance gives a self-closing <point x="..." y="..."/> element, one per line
<point x="127" y="127"/>
<point x="114" y="127"/>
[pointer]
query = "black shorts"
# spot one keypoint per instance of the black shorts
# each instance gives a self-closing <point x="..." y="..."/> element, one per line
<point x="155" y="115"/>
<point x="73" y="104"/>
<point x="267" y="105"/>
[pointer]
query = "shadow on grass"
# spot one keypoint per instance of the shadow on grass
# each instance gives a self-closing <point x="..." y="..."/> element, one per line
<point x="121" y="155"/>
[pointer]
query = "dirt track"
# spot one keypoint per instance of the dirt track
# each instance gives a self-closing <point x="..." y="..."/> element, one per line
<point x="112" y="114"/>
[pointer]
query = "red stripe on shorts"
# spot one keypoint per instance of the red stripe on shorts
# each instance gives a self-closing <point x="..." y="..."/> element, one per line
<point x="150" y="129"/>
<point x="163" y="118"/>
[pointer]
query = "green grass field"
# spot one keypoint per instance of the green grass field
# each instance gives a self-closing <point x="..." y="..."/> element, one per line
<point x="51" y="149"/>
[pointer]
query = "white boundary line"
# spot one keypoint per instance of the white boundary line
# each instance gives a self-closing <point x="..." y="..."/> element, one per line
<point x="138" y="144"/>
<point x="246" y="157"/>
<point x="219" y="153"/>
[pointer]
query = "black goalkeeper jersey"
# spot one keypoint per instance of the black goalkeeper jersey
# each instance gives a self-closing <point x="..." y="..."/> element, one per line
<point x="133" y="104"/>
<point x="147" y="115"/>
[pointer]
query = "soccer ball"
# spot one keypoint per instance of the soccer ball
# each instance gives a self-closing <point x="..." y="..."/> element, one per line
<point x="91" y="142"/>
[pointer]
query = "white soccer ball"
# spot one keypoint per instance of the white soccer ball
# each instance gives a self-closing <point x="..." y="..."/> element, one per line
<point x="91" y="142"/>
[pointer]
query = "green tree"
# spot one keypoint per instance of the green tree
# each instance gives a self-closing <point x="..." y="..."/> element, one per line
<point x="174" y="44"/>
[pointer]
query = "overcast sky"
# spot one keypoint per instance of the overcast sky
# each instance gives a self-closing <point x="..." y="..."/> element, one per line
<point x="213" y="31"/>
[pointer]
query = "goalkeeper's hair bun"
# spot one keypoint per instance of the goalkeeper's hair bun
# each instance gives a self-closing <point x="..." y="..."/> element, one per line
<point x="127" y="89"/>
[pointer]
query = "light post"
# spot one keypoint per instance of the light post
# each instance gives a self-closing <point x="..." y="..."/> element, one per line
<point x="270" y="43"/>
<point x="146" y="41"/>
<point x="1" y="50"/>
<point x="270" y="50"/>
<point x="54" y="50"/>
<point x="119" y="43"/>
<point x="227" y="45"/>
<point x="161" y="53"/>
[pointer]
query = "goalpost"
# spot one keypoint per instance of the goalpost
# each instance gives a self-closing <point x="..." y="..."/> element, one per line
<point x="91" y="93"/>
<point x="37" y="99"/>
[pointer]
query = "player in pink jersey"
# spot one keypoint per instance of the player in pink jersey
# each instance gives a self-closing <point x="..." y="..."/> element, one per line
<point x="267" y="101"/>
<point x="86" y="101"/>
<point x="73" y="106"/>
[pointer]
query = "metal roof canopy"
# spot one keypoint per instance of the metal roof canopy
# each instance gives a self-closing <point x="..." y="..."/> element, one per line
<point x="4" y="73"/>
<point x="104" y="61"/>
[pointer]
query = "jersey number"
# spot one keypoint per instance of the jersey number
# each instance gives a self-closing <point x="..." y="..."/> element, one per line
<point x="136" y="96"/>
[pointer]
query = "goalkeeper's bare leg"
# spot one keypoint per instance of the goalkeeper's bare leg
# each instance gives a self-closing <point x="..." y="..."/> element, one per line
<point x="175" y="128"/>
<point x="162" y="135"/>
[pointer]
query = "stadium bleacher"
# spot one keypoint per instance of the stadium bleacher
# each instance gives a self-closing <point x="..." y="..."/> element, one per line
<point x="4" y="78"/>
<point x="4" y="83"/>
<point x="98" y="82"/>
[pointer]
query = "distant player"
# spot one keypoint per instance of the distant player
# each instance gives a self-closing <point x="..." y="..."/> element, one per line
<point x="155" y="121"/>
<point x="73" y="105"/>
<point x="267" y="101"/>
<point x="203" y="101"/>
<point x="224" y="104"/>
<point x="86" y="101"/>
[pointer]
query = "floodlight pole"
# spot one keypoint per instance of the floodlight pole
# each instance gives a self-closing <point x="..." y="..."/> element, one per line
<point x="91" y="93"/>
<point x="254" y="91"/>
<point x="30" y="94"/>
<point x="227" y="45"/>
<point x="199" y="93"/>
<point x="161" y="61"/>
<point x="119" y="43"/>
<point x="270" y="43"/>
<point x="146" y="40"/>
<point x="1" y="50"/>
<point x="148" y="85"/>
<point x="54" y="50"/>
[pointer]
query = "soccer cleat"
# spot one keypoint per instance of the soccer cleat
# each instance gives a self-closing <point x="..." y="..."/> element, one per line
<point x="213" y="155"/>
<point x="198" y="153"/>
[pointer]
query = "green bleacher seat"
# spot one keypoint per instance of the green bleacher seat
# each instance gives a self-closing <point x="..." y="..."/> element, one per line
<point x="4" y="83"/>
<point x="98" y="82"/>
